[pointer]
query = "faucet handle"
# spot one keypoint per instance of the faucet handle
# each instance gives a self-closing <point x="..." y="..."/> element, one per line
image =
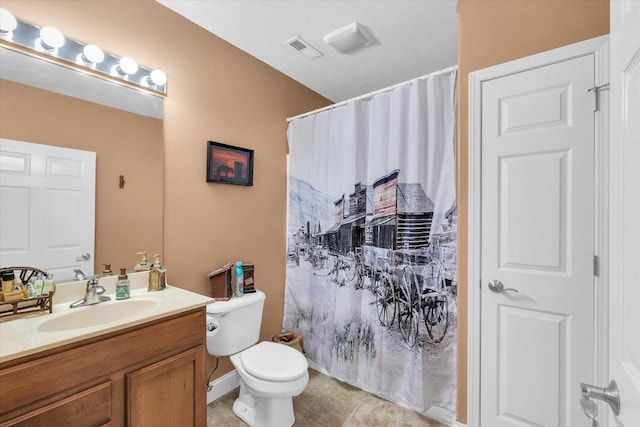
<point x="79" y="274"/>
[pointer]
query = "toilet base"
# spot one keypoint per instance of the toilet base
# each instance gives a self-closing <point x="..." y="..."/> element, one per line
<point x="266" y="403"/>
<point x="263" y="412"/>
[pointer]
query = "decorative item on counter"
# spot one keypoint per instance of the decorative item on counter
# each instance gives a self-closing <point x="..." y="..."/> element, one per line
<point x="239" y="279"/>
<point x="248" y="272"/>
<point x="143" y="264"/>
<point x="157" y="276"/>
<point x="123" y="286"/>
<point x="107" y="269"/>
<point x="28" y="297"/>
<point x="220" y="286"/>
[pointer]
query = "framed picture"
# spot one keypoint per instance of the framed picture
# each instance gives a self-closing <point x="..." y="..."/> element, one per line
<point x="229" y="165"/>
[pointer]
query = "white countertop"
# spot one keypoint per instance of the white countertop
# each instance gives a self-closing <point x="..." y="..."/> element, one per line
<point x="29" y="333"/>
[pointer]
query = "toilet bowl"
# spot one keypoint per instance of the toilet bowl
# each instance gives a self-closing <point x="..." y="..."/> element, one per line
<point x="270" y="375"/>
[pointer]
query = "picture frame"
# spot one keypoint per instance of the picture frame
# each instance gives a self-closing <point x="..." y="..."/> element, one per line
<point x="227" y="164"/>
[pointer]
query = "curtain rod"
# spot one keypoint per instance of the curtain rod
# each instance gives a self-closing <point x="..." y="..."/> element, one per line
<point x="371" y="94"/>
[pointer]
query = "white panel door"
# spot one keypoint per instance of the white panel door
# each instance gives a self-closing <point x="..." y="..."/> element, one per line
<point x="47" y="207"/>
<point x="537" y="234"/>
<point x="624" y="212"/>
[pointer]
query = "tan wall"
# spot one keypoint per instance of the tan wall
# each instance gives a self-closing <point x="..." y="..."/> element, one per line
<point x="127" y="220"/>
<point x="215" y="92"/>
<point x="492" y="32"/>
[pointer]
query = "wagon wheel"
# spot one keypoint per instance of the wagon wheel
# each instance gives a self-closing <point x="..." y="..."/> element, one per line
<point x="385" y="300"/>
<point x="408" y="306"/>
<point x="350" y="266"/>
<point x="435" y="310"/>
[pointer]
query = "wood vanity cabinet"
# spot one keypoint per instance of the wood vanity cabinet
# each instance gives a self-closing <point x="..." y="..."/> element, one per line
<point x="152" y="374"/>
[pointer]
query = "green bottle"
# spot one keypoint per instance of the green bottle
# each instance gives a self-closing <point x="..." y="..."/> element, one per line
<point x="123" y="286"/>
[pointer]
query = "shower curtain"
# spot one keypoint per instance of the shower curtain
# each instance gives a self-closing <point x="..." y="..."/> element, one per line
<point x="371" y="241"/>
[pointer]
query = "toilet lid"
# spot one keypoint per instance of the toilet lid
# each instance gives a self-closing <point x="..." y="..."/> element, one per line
<point x="274" y="362"/>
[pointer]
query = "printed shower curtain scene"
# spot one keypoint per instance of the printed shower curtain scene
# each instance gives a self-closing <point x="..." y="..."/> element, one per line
<point x="371" y="241"/>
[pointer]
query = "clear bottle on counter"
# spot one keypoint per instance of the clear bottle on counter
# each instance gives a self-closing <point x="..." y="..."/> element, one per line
<point x="47" y="286"/>
<point x="38" y="285"/>
<point x="31" y="292"/>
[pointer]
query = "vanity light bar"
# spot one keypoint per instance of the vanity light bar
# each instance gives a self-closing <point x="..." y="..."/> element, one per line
<point x="50" y="44"/>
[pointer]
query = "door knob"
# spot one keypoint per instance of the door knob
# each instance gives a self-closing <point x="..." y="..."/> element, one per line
<point x="497" y="287"/>
<point x="609" y="395"/>
<point x="84" y="257"/>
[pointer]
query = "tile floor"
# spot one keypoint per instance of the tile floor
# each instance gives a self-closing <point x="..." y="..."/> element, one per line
<point x="327" y="402"/>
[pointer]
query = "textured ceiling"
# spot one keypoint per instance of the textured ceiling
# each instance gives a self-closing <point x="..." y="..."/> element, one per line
<point x="411" y="38"/>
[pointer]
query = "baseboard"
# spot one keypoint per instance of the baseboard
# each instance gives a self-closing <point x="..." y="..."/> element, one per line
<point x="442" y="415"/>
<point x="223" y="385"/>
<point x="435" y="413"/>
<point x="313" y="365"/>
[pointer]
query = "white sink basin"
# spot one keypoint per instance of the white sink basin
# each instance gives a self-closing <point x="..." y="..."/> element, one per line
<point x="98" y="314"/>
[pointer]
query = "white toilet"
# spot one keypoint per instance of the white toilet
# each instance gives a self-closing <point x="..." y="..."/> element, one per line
<point x="270" y="373"/>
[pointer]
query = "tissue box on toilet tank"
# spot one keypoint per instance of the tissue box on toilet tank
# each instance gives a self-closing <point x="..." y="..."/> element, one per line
<point x="220" y="283"/>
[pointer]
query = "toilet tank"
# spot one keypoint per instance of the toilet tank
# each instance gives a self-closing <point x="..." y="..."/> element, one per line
<point x="234" y="325"/>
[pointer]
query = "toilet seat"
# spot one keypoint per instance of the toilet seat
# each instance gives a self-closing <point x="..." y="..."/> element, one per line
<point x="274" y="362"/>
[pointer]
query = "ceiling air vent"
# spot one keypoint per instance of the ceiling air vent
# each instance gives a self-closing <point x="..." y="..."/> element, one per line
<point x="304" y="48"/>
<point x="298" y="45"/>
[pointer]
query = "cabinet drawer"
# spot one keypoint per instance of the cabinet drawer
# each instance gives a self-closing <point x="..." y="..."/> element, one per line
<point x="91" y="407"/>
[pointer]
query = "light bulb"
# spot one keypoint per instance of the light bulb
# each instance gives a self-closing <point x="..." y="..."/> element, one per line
<point x="8" y="22"/>
<point x="157" y="78"/>
<point x="51" y="38"/>
<point x="92" y="54"/>
<point x="127" y="66"/>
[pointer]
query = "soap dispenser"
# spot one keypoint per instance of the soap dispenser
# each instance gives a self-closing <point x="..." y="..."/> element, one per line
<point x="143" y="264"/>
<point x="157" y="276"/>
<point x="123" y="286"/>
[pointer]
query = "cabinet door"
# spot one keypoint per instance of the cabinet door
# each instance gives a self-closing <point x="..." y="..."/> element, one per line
<point x="91" y="407"/>
<point x="170" y="392"/>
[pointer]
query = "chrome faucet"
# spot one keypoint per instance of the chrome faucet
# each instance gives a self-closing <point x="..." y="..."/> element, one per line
<point x="93" y="295"/>
<point x="79" y="274"/>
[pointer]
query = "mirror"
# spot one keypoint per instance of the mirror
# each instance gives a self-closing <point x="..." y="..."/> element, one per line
<point x="45" y="103"/>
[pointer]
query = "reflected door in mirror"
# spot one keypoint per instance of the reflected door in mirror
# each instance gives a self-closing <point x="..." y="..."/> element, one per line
<point x="47" y="207"/>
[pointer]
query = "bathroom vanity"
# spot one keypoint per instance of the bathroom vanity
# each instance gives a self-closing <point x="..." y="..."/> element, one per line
<point x="136" y="362"/>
